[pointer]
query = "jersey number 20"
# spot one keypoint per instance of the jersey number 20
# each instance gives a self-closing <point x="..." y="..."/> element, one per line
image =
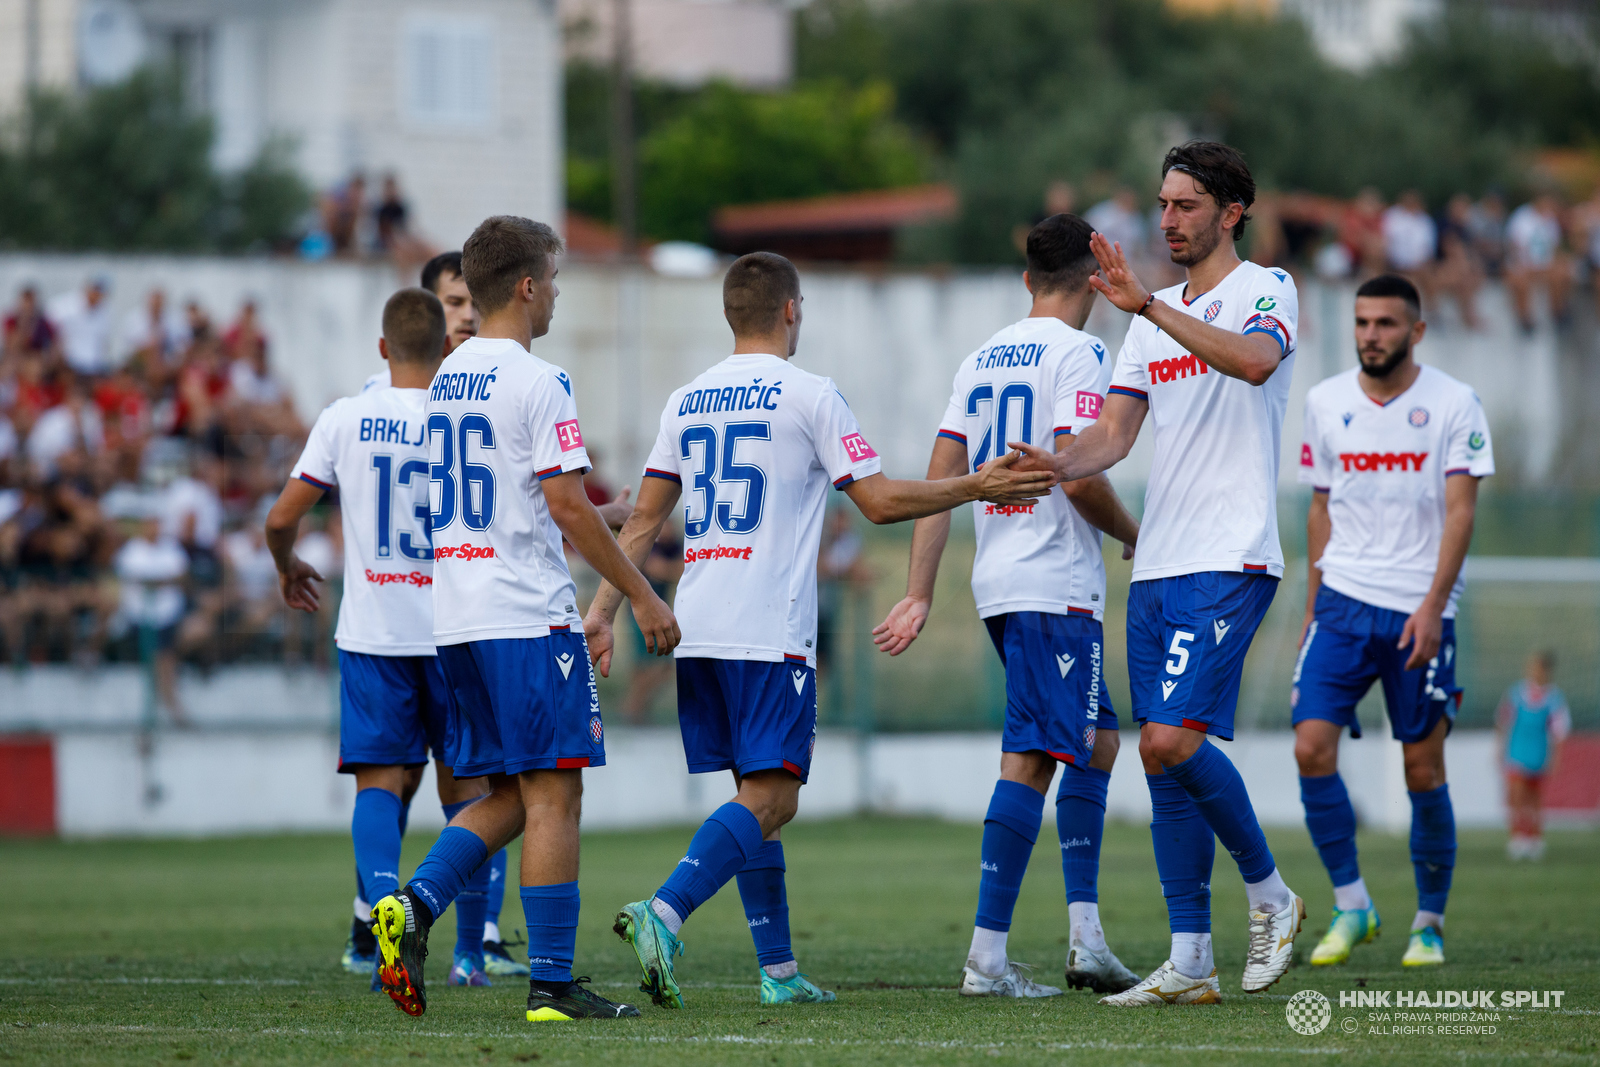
<point x="996" y="431"/>
<point x="455" y="483"/>
<point x="697" y="446"/>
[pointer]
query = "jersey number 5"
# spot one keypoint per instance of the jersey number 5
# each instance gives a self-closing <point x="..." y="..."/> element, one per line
<point x="997" y="429"/>
<point x="697" y="446"/>
<point x="455" y="484"/>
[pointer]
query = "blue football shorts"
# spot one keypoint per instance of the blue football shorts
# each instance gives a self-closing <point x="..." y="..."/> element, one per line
<point x="1349" y="645"/>
<point x="1056" y="695"/>
<point x="745" y="715"/>
<point x="392" y="710"/>
<point x="524" y="704"/>
<point x="1187" y="639"/>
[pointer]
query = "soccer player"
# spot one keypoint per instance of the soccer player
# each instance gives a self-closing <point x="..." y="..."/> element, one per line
<point x="1393" y="451"/>
<point x="394" y="704"/>
<point x="1209" y="361"/>
<point x="506" y="483"/>
<point x="756" y="441"/>
<point x="441" y="276"/>
<point x="1040" y="585"/>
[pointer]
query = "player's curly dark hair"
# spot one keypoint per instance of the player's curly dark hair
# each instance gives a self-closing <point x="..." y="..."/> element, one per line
<point x="1059" y="257"/>
<point x="1219" y="170"/>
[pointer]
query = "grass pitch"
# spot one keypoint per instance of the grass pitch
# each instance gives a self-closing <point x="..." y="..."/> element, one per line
<point x="226" y="951"/>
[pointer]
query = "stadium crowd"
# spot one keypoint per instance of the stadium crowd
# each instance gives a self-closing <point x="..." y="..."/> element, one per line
<point x="136" y="455"/>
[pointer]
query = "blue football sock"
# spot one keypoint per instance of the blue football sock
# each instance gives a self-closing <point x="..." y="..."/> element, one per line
<point x="375" y="830"/>
<point x="1185" y="850"/>
<point x="1332" y="822"/>
<point x="766" y="904"/>
<point x="1433" y="847"/>
<point x="472" y="903"/>
<point x="1213" y="783"/>
<point x="1080" y="824"/>
<point x="1009" y="831"/>
<point x="723" y="844"/>
<point x="448" y="867"/>
<point x="497" y="886"/>
<point x="551" y="914"/>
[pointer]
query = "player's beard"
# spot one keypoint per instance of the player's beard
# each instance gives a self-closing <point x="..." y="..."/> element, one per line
<point x="1198" y="246"/>
<point x="1384" y="367"/>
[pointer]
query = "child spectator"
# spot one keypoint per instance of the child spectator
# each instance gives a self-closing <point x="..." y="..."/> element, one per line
<point x="1533" y="720"/>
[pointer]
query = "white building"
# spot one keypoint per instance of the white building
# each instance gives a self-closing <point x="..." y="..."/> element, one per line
<point x="460" y="99"/>
<point x="691" y="42"/>
<point x="1359" y="33"/>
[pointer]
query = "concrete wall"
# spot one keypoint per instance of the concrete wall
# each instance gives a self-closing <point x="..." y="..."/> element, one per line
<point x="891" y="340"/>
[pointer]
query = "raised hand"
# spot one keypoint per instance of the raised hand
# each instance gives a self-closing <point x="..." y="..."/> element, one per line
<point x="1116" y="280"/>
<point x="904" y="622"/>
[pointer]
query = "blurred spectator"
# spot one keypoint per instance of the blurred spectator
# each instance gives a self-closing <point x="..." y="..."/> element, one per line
<point x="1534" y="256"/>
<point x="61" y="542"/>
<point x="251" y="586"/>
<point x="1120" y="220"/>
<point x="322" y="546"/>
<point x="1060" y="198"/>
<point x="191" y="514"/>
<point x="261" y="404"/>
<point x="150" y="568"/>
<point x="342" y="212"/>
<point x="27" y="331"/>
<point x="1458" y="273"/>
<point x="1531" y="723"/>
<point x="244" y="334"/>
<point x="662" y="568"/>
<point x="155" y="336"/>
<point x="1410" y="238"/>
<point x="1487" y="224"/>
<point x="391" y="214"/>
<point x="72" y="424"/>
<point x="1361" y="233"/>
<point x="83" y="321"/>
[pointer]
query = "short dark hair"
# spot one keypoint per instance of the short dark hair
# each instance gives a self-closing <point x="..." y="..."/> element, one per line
<point x="1219" y="170"/>
<point x="502" y="251"/>
<point x="1393" y="285"/>
<point x="1059" y="257"/>
<point x="755" y="290"/>
<point x="413" y="326"/>
<point x="441" y="264"/>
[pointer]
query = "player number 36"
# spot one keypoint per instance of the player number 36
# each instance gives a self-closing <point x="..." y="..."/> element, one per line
<point x="455" y="484"/>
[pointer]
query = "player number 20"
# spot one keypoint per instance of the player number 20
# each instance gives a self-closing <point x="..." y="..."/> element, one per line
<point x="455" y="484"/>
<point x="999" y="413"/>
<point x="697" y="446"/>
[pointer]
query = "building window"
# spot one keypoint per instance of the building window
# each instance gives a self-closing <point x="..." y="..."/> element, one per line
<point x="447" y="72"/>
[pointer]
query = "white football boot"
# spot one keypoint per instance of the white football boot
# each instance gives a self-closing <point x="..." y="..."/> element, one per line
<point x="1271" y="945"/>
<point x="1166" y="986"/>
<point x="1100" y="971"/>
<point x="1016" y="981"/>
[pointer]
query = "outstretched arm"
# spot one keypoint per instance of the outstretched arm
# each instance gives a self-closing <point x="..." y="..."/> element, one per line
<point x="1424" y="627"/>
<point x="586" y="531"/>
<point x="1250" y="357"/>
<point x="885" y="500"/>
<point x="906" y="619"/>
<point x="1098" y="503"/>
<point x="295" y="575"/>
<point x="1098" y="448"/>
<point x="657" y="498"/>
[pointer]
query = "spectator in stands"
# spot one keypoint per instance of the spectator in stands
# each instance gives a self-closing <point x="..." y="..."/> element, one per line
<point x="1361" y="233"/>
<point x="1121" y="221"/>
<point x="391" y="214"/>
<point x="251" y="579"/>
<point x="150" y="568"/>
<point x="27" y="331"/>
<point x="202" y="390"/>
<point x="1488" y="227"/>
<point x="72" y="424"/>
<point x="83" y="321"/>
<point x="1534" y="256"/>
<point x="63" y="546"/>
<point x="1410" y="238"/>
<point x="342" y="214"/>
<point x="154" y="337"/>
<point x="258" y="403"/>
<point x="1458" y="273"/>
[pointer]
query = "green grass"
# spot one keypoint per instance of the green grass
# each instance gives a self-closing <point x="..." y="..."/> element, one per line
<point x="225" y="951"/>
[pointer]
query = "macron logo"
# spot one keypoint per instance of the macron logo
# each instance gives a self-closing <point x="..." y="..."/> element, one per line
<point x="857" y="447"/>
<point x="564" y="661"/>
<point x="1220" y="628"/>
<point x="799" y="680"/>
<point x="1065" y="663"/>
<point x="1167" y="686"/>
<point x="568" y="436"/>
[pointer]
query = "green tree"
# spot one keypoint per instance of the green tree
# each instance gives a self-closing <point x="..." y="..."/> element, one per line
<point x="127" y="167"/>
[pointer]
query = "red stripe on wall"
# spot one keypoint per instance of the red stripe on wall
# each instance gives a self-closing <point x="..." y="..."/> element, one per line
<point x="27" y="785"/>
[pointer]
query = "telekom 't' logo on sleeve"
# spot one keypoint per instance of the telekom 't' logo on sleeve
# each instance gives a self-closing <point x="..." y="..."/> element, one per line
<point x="858" y="448"/>
<point x="1088" y="405"/>
<point x="568" y="435"/>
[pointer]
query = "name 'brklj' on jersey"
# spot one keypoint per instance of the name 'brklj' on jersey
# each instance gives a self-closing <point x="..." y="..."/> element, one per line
<point x="1212" y="500"/>
<point x="1030" y="382"/>
<point x="373" y="447"/>
<point x="755" y="443"/>
<point x="500" y="421"/>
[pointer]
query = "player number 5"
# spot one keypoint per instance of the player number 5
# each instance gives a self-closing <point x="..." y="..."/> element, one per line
<point x="1180" y="662"/>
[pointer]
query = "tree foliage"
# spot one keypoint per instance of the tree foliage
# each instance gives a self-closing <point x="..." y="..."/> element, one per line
<point x="127" y="168"/>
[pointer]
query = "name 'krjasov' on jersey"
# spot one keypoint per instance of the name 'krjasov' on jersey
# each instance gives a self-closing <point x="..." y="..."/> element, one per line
<point x="500" y="421"/>
<point x="755" y="442"/>
<point x="373" y="447"/>
<point x="1030" y="382"/>
<point x="1384" y="467"/>
<point x="1211" y="503"/>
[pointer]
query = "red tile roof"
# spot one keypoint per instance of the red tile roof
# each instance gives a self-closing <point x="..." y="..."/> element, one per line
<point x="879" y="209"/>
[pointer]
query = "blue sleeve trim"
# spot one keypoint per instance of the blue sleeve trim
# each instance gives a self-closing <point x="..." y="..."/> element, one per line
<point x="651" y="472"/>
<point x="324" y="486"/>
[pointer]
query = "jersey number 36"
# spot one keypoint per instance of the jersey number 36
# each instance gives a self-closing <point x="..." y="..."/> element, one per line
<point x="455" y="484"/>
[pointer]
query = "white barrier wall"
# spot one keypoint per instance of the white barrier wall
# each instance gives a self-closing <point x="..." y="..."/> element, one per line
<point x="222" y="783"/>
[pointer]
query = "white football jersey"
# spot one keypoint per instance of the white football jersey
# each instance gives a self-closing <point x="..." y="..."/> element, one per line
<point x="1383" y="467"/>
<point x="500" y="421"/>
<point x="373" y="447"/>
<point x="755" y="442"/>
<point x="377" y="380"/>
<point x="1212" y="500"/>
<point x="1029" y="382"/>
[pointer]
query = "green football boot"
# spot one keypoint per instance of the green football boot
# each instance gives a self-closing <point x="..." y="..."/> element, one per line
<point x="1346" y="930"/>
<point x="1425" y="949"/>
<point x="795" y="989"/>
<point x="655" y="946"/>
